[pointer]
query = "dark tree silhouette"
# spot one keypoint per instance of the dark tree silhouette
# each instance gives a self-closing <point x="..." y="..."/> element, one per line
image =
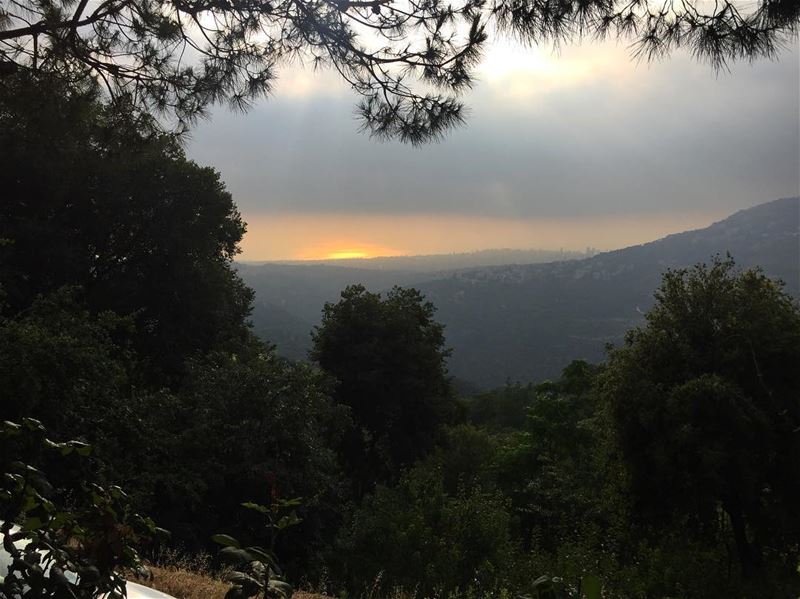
<point x="705" y="401"/>
<point x="388" y="356"/>
<point x="407" y="59"/>
<point x="99" y="199"/>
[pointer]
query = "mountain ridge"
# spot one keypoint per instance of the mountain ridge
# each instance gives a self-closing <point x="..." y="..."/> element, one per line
<point x="441" y="262"/>
<point x="525" y="322"/>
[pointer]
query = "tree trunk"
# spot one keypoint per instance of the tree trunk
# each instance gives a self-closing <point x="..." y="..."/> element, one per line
<point x="748" y="555"/>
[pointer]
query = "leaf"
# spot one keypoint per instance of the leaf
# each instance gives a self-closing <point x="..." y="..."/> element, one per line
<point x="226" y="541"/>
<point x="33" y="425"/>
<point x="89" y="575"/>
<point x="32" y="523"/>
<point x="259" y="555"/>
<point x="11" y="428"/>
<point x="256" y="506"/>
<point x="81" y="449"/>
<point x="541" y="581"/>
<point x="287" y="521"/>
<point x="234" y="555"/>
<point x="64" y="448"/>
<point x="283" y="588"/>
<point x="294" y="502"/>
<point x="57" y="576"/>
<point x="236" y="593"/>
<point x="243" y="580"/>
<point x="591" y="587"/>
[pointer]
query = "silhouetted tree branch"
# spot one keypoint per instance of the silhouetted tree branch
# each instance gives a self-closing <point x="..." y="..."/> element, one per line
<point x="409" y="60"/>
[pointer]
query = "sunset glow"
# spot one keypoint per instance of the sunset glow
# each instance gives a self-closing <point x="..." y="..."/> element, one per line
<point x="310" y="237"/>
<point x="345" y="254"/>
<point x="293" y="241"/>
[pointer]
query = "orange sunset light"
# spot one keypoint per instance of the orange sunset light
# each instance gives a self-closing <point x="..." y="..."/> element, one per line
<point x="345" y="254"/>
<point x="342" y="250"/>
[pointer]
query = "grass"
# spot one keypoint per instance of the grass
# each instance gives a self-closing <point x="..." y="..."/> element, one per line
<point x="185" y="584"/>
<point x="186" y="577"/>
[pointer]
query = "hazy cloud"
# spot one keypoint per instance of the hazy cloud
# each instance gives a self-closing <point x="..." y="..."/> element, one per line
<point x="586" y="132"/>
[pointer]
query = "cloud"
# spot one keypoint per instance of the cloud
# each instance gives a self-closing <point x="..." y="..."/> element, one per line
<point x="586" y="132"/>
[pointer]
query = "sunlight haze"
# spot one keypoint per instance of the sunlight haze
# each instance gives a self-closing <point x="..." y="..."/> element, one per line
<point x="332" y="236"/>
<point x="575" y="147"/>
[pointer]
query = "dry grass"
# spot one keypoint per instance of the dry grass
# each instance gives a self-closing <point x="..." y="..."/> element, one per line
<point x="185" y="584"/>
<point x="185" y="577"/>
<point x="192" y="578"/>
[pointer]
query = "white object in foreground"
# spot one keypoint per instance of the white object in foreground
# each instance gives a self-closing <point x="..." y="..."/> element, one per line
<point x="135" y="591"/>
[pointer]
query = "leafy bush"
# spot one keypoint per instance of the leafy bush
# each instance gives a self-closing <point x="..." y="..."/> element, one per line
<point x="256" y="570"/>
<point x="72" y="542"/>
<point x="420" y="537"/>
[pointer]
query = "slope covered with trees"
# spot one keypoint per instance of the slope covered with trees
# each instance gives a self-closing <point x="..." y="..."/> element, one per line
<point x="525" y="322"/>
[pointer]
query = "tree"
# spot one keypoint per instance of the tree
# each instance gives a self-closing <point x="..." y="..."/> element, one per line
<point x="408" y="61"/>
<point x="100" y="199"/>
<point x="550" y="469"/>
<point x="61" y="365"/>
<point x="388" y="357"/>
<point x="705" y="405"/>
<point x="261" y="430"/>
<point x="418" y="536"/>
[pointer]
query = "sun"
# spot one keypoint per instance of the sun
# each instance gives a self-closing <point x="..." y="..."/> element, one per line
<point x="344" y="249"/>
<point x="346" y="254"/>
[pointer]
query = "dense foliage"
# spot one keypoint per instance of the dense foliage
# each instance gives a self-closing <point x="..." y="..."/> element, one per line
<point x="704" y="402"/>
<point x="98" y="199"/>
<point x="76" y="539"/>
<point x="123" y="322"/>
<point x="388" y="357"/>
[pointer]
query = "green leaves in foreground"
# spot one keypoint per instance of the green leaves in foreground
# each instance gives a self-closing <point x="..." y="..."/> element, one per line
<point x="256" y="572"/>
<point x="553" y="587"/>
<point x="66" y="539"/>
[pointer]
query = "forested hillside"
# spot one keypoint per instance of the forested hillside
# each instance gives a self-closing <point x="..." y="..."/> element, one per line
<point x="527" y="322"/>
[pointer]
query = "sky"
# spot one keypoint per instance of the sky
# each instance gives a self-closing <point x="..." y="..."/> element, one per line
<point x="584" y="147"/>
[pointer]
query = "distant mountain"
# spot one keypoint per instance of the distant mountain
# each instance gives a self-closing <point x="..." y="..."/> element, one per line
<point x="290" y="295"/>
<point x="302" y="289"/>
<point x="526" y="322"/>
<point x="442" y="262"/>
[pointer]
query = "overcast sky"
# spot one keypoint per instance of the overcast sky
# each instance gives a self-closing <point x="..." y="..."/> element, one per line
<point x="583" y="147"/>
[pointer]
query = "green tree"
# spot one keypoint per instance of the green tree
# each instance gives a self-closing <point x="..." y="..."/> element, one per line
<point x="551" y="467"/>
<point x="408" y="61"/>
<point x="95" y="197"/>
<point x="64" y="366"/>
<point x="388" y="356"/>
<point x="417" y="535"/>
<point x="705" y="404"/>
<point x="258" y="430"/>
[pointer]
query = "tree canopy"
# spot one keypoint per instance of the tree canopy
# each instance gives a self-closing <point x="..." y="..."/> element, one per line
<point x="408" y="60"/>
<point x="387" y="354"/>
<point x="100" y="199"/>
<point x="704" y="402"/>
